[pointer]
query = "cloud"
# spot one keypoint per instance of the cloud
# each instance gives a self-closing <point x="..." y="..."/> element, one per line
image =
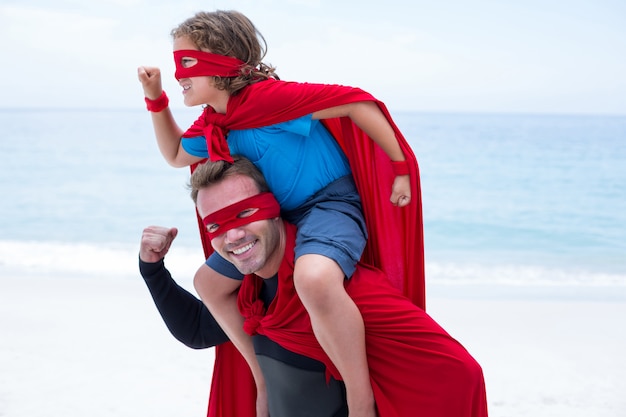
<point x="73" y="56"/>
<point x="421" y="56"/>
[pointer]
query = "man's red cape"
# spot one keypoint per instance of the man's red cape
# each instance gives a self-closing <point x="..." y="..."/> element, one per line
<point x="395" y="243"/>
<point x="416" y="367"/>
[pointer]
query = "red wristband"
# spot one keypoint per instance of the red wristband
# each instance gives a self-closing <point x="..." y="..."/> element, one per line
<point x="159" y="104"/>
<point x="400" y="167"/>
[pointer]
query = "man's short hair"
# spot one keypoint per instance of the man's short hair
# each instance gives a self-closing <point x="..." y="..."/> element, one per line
<point x="213" y="172"/>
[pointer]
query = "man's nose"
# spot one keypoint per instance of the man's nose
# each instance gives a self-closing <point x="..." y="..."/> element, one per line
<point x="235" y="234"/>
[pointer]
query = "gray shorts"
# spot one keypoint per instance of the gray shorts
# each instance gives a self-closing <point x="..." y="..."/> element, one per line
<point x="292" y="391"/>
<point x="331" y="223"/>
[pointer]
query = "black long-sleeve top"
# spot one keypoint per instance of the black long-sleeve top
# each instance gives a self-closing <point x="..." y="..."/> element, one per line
<point x="189" y="321"/>
<point x="184" y="314"/>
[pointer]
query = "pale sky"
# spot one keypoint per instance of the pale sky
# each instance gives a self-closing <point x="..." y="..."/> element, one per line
<point x="532" y="56"/>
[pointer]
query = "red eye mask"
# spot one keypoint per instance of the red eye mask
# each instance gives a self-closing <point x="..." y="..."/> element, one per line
<point x="208" y="65"/>
<point x="228" y="218"/>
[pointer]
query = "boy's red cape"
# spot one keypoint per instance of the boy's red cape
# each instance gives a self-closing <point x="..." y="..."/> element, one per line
<point x="395" y="242"/>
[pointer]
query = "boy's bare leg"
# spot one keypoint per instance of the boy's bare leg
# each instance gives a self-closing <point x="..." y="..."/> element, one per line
<point x="219" y="294"/>
<point x="338" y="327"/>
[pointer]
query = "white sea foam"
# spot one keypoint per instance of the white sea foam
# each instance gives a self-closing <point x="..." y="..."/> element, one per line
<point x="86" y="260"/>
<point x="91" y="260"/>
<point x="519" y="275"/>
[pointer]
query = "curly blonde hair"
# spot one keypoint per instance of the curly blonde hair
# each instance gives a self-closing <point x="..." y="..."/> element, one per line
<point x="230" y="33"/>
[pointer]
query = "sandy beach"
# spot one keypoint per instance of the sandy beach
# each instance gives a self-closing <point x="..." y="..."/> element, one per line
<point x="552" y="358"/>
<point x="76" y="346"/>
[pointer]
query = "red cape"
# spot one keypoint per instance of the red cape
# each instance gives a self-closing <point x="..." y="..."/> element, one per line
<point x="416" y="367"/>
<point x="395" y="243"/>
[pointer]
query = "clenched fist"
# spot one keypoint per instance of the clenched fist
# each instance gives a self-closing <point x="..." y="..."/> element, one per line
<point x="156" y="242"/>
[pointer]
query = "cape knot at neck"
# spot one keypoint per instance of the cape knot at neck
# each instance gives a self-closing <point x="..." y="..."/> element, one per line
<point x="254" y="315"/>
<point x="216" y="143"/>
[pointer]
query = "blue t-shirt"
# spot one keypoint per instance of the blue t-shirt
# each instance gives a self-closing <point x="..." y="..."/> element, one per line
<point x="298" y="157"/>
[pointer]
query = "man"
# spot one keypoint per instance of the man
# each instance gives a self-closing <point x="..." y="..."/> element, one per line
<point x="415" y="366"/>
<point x="288" y="374"/>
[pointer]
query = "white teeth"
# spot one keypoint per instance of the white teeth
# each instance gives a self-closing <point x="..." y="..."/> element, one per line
<point x="243" y="249"/>
<point x="186" y="87"/>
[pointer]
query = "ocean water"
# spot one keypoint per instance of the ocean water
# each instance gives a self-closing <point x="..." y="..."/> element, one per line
<point x="516" y="201"/>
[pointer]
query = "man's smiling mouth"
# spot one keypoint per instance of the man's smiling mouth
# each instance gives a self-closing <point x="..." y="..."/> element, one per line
<point x="244" y="249"/>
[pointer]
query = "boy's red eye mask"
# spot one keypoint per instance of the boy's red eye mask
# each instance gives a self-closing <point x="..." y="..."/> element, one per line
<point x="208" y="65"/>
<point x="230" y="217"/>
